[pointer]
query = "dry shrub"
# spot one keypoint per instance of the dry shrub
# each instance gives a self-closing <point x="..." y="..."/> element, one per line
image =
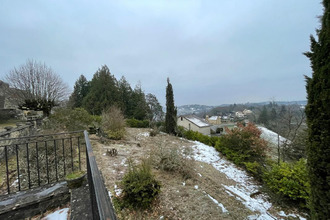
<point x="113" y="123"/>
<point x="172" y="159"/>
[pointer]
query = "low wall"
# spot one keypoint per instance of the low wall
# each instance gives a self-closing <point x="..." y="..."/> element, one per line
<point x="26" y="204"/>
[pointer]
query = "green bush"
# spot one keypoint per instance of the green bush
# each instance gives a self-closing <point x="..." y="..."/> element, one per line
<point x="69" y="119"/>
<point x="255" y="168"/>
<point x="289" y="180"/>
<point x="196" y="136"/>
<point x="134" y="123"/>
<point x="243" y="144"/>
<point x="139" y="186"/>
<point x="180" y="131"/>
<point x="115" y="135"/>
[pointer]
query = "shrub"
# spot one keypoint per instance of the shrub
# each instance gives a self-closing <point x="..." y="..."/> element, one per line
<point x="113" y="123"/>
<point x="180" y="132"/>
<point x="69" y="119"/>
<point x="243" y="144"/>
<point x="196" y="136"/>
<point x="289" y="180"/>
<point x="139" y="186"/>
<point x="255" y="168"/>
<point x="154" y="132"/>
<point x="173" y="160"/>
<point x="134" y="123"/>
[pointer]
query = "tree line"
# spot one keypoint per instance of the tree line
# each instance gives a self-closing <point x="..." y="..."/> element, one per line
<point x="104" y="90"/>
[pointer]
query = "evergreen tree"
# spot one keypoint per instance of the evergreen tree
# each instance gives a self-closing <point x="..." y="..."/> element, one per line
<point x="318" y="119"/>
<point x="170" y="117"/>
<point x="140" y="107"/>
<point x="80" y="91"/>
<point x="126" y="93"/>
<point x="155" y="110"/>
<point x="103" y="92"/>
<point x="263" y="117"/>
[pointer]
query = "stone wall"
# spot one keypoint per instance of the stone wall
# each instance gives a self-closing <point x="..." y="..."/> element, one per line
<point x="26" y="204"/>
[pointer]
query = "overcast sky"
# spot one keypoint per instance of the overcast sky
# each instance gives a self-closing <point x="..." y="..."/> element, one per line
<point x="215" y="52"/>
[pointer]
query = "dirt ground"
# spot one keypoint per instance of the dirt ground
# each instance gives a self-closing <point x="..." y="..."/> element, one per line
<point x="179" y="198"/>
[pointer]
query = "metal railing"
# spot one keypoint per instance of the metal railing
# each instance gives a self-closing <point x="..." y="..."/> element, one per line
<point x="29" y="162"/>
<point x="101" y="205"/>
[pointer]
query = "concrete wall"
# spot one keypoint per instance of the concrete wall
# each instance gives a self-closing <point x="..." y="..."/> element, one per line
<point x="182" y="121"/>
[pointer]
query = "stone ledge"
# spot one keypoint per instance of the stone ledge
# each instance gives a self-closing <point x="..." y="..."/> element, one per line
<point x="29" y="203"/>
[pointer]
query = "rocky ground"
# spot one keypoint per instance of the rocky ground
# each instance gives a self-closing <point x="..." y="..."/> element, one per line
<point x="217" y="190"/>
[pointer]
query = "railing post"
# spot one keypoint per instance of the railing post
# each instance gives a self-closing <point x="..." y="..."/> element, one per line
<point x="38" y="169"/>
<point x="7" y="171"/>
<point x="55" y="161"/>
<point x="63" y="156"/>
<point x="28" y="164"/>
<point x="47" y="162"/>
<point x="17" y="163"/>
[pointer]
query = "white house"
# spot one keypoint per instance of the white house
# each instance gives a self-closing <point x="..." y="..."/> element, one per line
<point x="214" y="120"/>
<point x="194" y="123"/>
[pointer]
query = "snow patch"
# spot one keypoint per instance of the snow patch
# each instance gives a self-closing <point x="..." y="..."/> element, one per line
<point x="271" y="136"/>
<point x="244" y="187"/>
<point x="118" y="191"/>
<point x="144" y="134"/>
<point x="196" y="186"/>
<point x="61" y="214"/>
<point x="224" y="210"/>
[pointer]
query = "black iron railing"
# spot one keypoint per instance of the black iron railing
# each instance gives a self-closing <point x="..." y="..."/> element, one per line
<point x="29" y="162"/>
<point x="101" y="204"/>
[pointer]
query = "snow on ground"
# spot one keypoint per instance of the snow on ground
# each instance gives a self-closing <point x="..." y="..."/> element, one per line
<point x="270" y="136"/>
<point x="61" y="214"/>
<point x="144" y="134"/>
<point x="118" y="191"/>
<point x="224" y="210"/>
<point x="244" y="184"/>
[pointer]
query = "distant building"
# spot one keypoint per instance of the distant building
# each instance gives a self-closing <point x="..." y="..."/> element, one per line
<point x="194" y="123"/>
<point x="247" y="112"/>
<point x="214" y="120"/>
<point x="239" y="114"/>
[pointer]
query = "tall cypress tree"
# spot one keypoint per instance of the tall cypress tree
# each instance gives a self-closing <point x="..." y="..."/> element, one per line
<point x="170" y="118"/>
<point x="318" y="119"/>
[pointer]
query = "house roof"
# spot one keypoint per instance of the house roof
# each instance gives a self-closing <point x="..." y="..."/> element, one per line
<point x="213" y="118"/>
<point x="197" y="121"/>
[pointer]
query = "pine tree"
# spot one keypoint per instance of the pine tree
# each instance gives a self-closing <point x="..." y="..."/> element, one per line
<point x="170" y="117"/>
<point x="318" y="119"/>
<point x="103" y="92"/>
<point x="140" y="108"/>
<point x="263" y="117"/>
<point x="80" y="91"/>
<point x="125" y="92"/>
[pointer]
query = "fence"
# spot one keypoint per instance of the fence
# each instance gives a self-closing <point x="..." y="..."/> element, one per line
<point x="33" y="161"/>
<point x="29" y="162"/>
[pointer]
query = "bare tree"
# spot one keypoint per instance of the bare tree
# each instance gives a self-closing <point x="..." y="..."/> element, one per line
<point x="36" y="86"/>
<point x="288" y="123"/>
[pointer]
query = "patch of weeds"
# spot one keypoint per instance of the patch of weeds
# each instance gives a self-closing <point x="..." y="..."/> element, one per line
<point x="172" y="159"/>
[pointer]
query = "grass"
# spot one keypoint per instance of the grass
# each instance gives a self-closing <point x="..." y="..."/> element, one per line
<point x="75" y="174"/>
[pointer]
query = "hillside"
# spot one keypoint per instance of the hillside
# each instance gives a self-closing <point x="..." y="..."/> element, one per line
<point x="217" y="190"/>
